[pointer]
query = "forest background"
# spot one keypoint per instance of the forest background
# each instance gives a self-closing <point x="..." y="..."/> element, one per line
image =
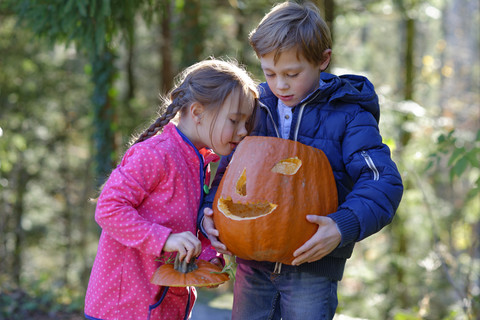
<point x="78" y="78"/>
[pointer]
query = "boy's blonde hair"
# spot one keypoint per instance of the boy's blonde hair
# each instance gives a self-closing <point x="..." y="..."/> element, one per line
<point x="289" y="25"/>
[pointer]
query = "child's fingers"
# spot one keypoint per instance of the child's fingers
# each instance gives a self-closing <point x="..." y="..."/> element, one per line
<point x="181" y="253"/>
<point x="193" y="247"/>
<point x="212" y="231"/>
<point x="219" y="246"/>
<point x="208" y="224"/>
<point x="208" y="212"/>
<point x="302" y="254"/>
<point x="185" y="243"/>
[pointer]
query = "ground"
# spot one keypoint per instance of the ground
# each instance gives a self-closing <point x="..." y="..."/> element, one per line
<point x="211" y="304"/>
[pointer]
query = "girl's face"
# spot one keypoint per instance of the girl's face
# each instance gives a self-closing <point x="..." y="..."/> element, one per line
<point x="223" y="131"/>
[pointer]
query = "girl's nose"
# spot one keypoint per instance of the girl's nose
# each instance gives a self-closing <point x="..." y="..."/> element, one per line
<point x="242" y="130"/>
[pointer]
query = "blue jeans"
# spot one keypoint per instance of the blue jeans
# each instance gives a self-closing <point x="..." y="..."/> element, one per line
<point x="263" y="295"/>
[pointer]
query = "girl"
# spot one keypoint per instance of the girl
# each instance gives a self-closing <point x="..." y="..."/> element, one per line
<point x="148" y="206"/>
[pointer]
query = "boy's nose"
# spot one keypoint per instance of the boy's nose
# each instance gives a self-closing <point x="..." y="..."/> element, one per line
<point x="282" y="84"/>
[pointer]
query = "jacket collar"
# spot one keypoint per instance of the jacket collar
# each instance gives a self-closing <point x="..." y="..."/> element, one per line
<point x="205" y="155"/>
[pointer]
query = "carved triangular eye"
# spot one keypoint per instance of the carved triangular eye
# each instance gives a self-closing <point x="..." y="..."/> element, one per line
<point x="241" y="187"/>
<point x="288" y="166"/>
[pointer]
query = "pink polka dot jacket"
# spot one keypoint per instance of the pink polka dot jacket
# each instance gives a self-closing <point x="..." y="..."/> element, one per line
<point x="156" y="190"/>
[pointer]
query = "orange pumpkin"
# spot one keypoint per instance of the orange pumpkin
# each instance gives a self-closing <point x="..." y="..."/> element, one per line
<point x="268" y="189"/>
<point x="201" y="273"/>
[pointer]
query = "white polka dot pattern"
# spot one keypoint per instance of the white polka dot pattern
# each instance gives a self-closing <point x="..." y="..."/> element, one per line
<point x="154" y="191"/>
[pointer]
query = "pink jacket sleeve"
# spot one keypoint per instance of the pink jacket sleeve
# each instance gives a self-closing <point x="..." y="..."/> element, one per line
<point x="130" y="183"/>
<point x="208" y="252"/>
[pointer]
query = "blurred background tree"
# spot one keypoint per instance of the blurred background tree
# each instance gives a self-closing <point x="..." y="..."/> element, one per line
<point x="79" y="78"/>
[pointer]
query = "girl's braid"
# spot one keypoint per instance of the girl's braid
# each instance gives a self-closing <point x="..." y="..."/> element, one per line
<point x="179" y="100"/>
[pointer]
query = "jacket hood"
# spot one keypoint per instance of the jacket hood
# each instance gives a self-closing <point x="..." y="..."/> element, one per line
<point x="347" y="88"/>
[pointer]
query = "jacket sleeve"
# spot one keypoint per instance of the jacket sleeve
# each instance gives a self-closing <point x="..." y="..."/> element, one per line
<point x="377" y="185"/>
<point x="208" y="252"/>
<point x="140" y="171"/>
<point x="208" y="200"/>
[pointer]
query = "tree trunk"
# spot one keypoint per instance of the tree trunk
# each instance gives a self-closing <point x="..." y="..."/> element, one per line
<point x="193" y="33"/>
<point x="166" y="47"/>
<point x="409" y="63"/>
<point x="330" y="16"/>
<point x="20" y="185"/>
<point x="460" y="64"/>
<point x="103" y="70"/>
<point x="327" y="9"/>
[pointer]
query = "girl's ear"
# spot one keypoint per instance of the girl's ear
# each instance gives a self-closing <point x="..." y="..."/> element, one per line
<point x="196" y="111"/>
<point x="327" y="55"/>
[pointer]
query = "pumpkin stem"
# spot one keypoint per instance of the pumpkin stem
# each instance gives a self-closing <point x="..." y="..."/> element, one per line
<point x="183" y="266"/>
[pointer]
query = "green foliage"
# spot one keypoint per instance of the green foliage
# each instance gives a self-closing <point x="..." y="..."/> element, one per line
<point x="90" y="24"/>
<point x="463" y="156"/>
<point x="16" y="304"/>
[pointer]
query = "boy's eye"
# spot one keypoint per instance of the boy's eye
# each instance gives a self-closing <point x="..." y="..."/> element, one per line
<point x="269" y="75"/>
<point x="292" y="75"/>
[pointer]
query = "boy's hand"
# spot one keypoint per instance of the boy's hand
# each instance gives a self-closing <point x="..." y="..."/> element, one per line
<point x="212" y="233"/>
<point x="321" y="243"/>
<point x="185" y="243"/>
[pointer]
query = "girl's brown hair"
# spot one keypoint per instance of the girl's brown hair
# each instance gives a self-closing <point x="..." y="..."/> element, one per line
<point x="208" y="82"/>
<point x="289" y="25"/>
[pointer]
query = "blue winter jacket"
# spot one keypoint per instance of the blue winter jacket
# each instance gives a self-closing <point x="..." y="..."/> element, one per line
<point x="340" y="118"/>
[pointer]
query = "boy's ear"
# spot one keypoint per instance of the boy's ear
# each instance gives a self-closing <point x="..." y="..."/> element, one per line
<point x="196" y="111"/>
<point x="327" y="55"/>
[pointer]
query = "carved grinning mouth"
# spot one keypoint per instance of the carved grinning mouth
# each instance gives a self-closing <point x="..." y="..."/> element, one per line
<point x="252" y="210"/>
<point x="244" y="211"/>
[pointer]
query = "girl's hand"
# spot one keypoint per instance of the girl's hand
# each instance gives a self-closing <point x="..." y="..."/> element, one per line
<point x="324" y="241"/>
<point x="212" y="233"/>
<point x="185" y="243"/>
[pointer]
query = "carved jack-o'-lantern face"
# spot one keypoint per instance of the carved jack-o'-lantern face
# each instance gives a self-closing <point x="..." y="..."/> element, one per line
<point x="268" y="189"/>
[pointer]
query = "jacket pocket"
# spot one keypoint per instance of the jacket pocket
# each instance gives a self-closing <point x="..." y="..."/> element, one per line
<point x="173" y="303"/>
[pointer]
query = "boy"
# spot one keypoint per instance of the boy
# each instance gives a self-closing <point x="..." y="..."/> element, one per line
<point x="338" y="115"/>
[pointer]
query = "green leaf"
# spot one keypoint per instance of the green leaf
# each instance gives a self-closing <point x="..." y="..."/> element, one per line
<point x="472" y="157"/>
<point x="460" y="166"/>
<point x="441" y="138"/>
<point x="457" y="153"/>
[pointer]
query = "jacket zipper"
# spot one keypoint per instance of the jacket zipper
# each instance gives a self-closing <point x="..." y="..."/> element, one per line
<point x="297" y="127"/>
<point x="271" y="117"/>
<point x="371" y="165"/>
<point x="300" y="114"/>
<point x="202" y="167"/>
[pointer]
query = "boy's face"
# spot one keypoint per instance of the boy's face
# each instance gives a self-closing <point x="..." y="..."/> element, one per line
<point x="291" y="78"/>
